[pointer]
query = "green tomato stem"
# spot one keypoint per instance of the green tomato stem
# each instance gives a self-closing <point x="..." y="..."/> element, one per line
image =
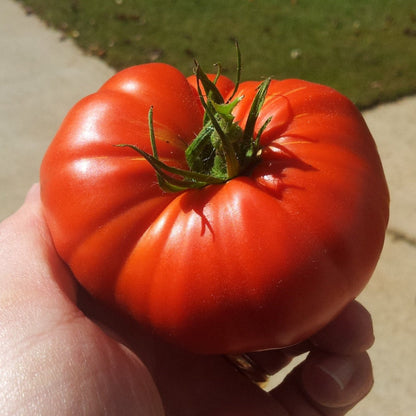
<point x="222" y="150"/>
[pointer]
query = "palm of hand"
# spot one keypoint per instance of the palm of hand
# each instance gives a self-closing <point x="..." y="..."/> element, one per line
<point x="61" y="353"/>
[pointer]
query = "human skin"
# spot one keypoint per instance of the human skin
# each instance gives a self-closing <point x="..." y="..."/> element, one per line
<point x="63" y="353"/>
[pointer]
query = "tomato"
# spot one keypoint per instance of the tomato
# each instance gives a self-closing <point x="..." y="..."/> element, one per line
<point x="262" y="260"/>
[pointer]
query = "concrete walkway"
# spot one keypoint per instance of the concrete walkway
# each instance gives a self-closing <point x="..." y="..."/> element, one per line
<point x="42" y="76"/>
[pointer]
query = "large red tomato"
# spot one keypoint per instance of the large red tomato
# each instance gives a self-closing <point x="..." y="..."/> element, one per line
<point x="261" y="261"/>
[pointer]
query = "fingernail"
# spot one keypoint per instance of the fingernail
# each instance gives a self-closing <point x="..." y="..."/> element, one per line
<point x="339" y="369"/>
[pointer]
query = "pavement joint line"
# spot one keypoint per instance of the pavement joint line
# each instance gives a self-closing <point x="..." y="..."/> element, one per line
<point x="398" y="235"/>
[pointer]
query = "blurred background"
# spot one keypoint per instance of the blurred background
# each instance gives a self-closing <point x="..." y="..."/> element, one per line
<point x="366" y="50"/>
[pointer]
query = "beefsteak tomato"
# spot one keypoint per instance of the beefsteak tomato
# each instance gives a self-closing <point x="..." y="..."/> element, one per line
<point x="262" y="260"/>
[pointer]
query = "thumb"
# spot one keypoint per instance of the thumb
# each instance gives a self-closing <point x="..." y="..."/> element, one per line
<point x="27" y="251"/>
<point x="54" y="360"/>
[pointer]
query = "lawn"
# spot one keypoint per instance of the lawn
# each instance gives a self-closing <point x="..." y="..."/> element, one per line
<point x="364" y="49"/>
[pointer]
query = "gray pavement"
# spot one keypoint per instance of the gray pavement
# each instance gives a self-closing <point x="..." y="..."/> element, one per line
<point x="42" y="76"/>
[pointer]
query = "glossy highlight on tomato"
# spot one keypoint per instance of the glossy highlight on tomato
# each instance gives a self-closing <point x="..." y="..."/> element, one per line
<point x="260" y="261"/>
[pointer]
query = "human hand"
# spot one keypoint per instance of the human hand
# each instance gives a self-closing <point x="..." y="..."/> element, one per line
<point x="63" y="353"/>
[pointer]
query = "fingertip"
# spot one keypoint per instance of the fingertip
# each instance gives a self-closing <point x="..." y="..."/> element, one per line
<point x="351" y="332"/>
<point x="337" y="381"/>
<point x="33" y="194"/>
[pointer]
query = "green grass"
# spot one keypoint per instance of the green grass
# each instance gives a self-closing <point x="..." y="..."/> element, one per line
<point x="364" y="49"/>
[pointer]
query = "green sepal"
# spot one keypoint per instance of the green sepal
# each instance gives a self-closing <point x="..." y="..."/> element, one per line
<point x="222" y="149"/>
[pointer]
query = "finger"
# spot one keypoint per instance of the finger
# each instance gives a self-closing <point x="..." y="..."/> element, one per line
<point x="25" y="235"/>
<point x="337" y="381"/>
<point x="292" y="397"/>
<point x="190" y="384"/>
<point x="271" y="361"/>
<point x="326" y="385"/>
<point x="33" y="195"/>
<point x="48" y="348"/>
<point x="349" y="333"/>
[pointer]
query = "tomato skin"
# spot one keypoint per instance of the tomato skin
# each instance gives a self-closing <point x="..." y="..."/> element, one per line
<point x="262" y="261"/>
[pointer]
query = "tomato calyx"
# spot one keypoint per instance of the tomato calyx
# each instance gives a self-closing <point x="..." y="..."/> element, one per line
<point x="222" y="150"/>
